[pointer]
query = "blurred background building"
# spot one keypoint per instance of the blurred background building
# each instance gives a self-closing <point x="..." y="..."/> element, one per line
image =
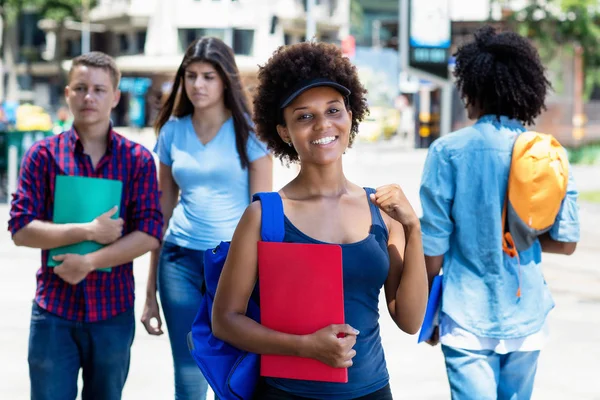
<point x="148" y="38"/>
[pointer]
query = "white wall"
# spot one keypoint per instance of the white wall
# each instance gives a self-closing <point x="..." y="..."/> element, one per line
<point x="166" y="17"/>
<point x="469" y="10"/>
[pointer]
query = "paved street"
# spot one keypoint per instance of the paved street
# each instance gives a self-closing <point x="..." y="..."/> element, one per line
<point x="568" y="368"/>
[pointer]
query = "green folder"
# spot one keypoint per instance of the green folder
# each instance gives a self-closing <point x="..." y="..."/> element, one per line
<point x="79" y="199"/>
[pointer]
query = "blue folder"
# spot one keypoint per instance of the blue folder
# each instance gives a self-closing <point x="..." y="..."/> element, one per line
<point x="431" y="319"/>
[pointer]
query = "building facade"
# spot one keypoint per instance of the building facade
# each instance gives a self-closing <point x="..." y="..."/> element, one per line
<point x="148" y="39"/>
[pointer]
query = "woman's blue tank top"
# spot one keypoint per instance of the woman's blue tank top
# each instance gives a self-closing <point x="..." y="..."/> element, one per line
<point x="365" y="265"/>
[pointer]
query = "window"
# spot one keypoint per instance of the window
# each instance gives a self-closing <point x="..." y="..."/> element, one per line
<point x="140" y="38"/>
<point x="215" y="32"/>
<point x="333" y="6"/>
<point x="73" y="48"/>
<point x="328" y="37"/>
<point x="287" y="39"/>
<point x="187" y="36"/>
<point x="243" y="42"/>
<point x="123" y="43"/>
<point x="305" y="4"/>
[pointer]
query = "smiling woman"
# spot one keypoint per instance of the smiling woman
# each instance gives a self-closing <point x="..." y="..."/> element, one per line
<point x="319" y="124"/>
<point x="308" y="105"/>
<point x="283" y="81"/>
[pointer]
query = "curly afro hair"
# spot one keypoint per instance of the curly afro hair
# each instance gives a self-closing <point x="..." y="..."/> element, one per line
<point x="501" y="74"/>
<point x="290" y="65"/>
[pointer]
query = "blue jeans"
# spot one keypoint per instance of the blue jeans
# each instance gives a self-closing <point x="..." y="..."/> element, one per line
<point x="486" y="375"/>
<point x="58" y="348"/>
<point x="180" y="279"/>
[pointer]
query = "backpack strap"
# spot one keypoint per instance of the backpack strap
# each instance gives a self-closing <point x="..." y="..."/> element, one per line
<point x="272" y="228"/>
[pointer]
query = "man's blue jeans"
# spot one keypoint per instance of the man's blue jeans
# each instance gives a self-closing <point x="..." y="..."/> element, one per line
<point x="486" y="375"/>
<point x="58" y="348"/>
<point x="180" y="279"/>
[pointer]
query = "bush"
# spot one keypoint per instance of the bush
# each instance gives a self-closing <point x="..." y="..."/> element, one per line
<point x="588" y="154"/>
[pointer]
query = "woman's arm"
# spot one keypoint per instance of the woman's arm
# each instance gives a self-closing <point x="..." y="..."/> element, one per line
<point x="168" y="200"/>
<point x="406" y="288"/>
<point x="236" y="283"/>
<point x="261" y="175"/>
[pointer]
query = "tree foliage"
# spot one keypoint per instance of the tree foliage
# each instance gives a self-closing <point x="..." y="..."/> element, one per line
<point x="57" y="10"/>
<point x="559" y="24"/>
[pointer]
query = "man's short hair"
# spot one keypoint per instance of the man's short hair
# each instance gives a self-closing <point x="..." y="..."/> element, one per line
<point x="97" y="59"/>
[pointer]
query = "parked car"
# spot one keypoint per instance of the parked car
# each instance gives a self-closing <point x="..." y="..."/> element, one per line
<point x="381" y="123"/>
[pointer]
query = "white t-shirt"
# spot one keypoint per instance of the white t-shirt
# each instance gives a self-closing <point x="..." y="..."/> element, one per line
<point x="451" y="334"/>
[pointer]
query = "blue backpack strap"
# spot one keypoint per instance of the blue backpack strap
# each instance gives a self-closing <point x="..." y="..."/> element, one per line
<point x="272" y="227"/>
<point x="376" y="218"/>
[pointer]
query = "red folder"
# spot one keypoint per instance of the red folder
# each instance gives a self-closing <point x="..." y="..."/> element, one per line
<point x="301" y="291"/>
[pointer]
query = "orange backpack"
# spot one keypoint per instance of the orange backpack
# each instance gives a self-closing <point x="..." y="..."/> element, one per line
<point x="537" y="185"/>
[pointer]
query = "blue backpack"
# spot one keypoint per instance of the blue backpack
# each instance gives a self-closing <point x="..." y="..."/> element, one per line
<point x="232" y="373"/>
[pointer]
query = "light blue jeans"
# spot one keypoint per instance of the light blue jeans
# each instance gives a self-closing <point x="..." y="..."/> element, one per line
<point x="180" y="279"/>
<point x="486" y="375"/>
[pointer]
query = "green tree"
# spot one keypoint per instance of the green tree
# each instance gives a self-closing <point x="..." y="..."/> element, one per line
<point x="9" y="13"/>
<point x="56" y="10"/>
<point x="356" y="18"/>
<point x="556" y="24"/>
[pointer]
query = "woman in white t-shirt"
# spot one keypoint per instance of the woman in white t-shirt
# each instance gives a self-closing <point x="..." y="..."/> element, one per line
<point x="210" y="164"/>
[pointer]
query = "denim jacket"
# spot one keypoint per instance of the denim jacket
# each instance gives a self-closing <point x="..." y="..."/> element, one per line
<point x="462" y="194"/>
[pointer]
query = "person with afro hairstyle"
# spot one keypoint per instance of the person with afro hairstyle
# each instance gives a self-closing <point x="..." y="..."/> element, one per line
<point x="491" y="334"/>
<point x="307" y="108"/>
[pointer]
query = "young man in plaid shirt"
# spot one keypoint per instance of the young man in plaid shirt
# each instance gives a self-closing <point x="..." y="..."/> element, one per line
<point x="81" y="317"/>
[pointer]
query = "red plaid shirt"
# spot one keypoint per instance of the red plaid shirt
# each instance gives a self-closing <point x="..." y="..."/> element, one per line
<point x="100" y="295"/>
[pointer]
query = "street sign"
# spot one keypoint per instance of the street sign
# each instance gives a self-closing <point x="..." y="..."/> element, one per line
<point x="429" y="37"/>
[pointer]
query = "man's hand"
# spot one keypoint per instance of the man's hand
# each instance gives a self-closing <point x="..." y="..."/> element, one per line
<point x="435" y="337"/>
<point x="74" y="268"/>
<point x="104" y="229"/>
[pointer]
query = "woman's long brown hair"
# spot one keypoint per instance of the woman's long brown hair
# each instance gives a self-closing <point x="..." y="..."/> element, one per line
<point x="220" y="56"/>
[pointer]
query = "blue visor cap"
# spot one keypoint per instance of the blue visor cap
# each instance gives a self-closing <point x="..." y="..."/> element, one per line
<point x="303" y="86"/>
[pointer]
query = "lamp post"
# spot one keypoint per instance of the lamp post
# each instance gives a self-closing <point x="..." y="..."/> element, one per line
<point x="311" y="24"/>
<point x="85" y="27"/>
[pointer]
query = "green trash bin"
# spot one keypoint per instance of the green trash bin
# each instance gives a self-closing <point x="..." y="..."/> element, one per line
<point x="22" y="141"/>
<point x="3" y="153"/>
<point x="3" y="164"/>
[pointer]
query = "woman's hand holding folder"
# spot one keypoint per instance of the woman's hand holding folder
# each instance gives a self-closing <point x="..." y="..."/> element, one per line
<point x="332" y="345"/>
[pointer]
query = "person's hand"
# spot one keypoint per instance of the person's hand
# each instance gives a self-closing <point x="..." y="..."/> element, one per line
<point x="333" y="345"/>
<point x="104" y="229"/>
<point x="435" y="337"/>
<point x="152" y="312"/>
<point x="391" y="200"/>
<point x="73" y="267"/>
